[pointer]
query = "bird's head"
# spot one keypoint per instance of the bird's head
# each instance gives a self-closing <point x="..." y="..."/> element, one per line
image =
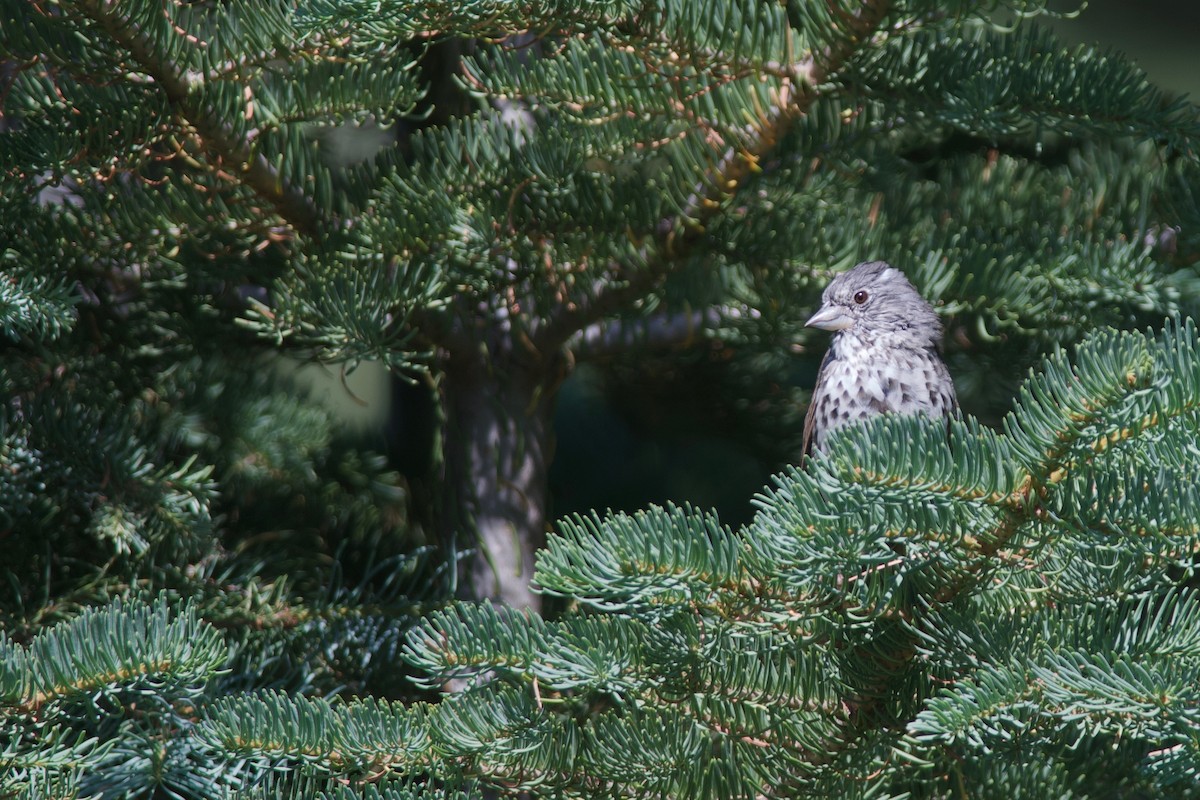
<point x="875" y="302"/>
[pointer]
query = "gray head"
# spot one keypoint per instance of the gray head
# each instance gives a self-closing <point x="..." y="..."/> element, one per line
<point x="876" y="303"/>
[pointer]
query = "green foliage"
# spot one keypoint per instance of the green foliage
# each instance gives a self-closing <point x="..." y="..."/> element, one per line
<point x="389" y="22"/>
<point x="67" y="690"/>
<point x="912" y="606"/>
<point x="34" y="305"/>
<point x="360" y="739"/>
<point x="151" y="445"/>
<point x="211" y="591"/>
<point x="89" y="657"/>
<point x="906" y="604"/>
<point x="996" y="85"/>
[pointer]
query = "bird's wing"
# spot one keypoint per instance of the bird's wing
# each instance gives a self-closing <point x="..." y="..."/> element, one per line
<point x="951" y="396"/>
<point x="810" y="416"/>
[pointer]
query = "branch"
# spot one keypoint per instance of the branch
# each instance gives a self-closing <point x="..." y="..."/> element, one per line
<point x="665" y="330"/>
<point x="678" y="236"/>
<point x="293" y="205"/>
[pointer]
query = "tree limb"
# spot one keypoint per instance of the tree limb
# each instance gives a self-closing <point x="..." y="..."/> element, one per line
<point x="677" y="236"/>
<point x="664" y="330"/>
<point x="257" y="172"/>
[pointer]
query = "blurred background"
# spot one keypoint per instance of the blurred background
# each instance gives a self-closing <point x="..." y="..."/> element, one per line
<point x="1161" y="36"/>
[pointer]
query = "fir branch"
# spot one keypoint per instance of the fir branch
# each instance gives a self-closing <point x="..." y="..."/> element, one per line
<point x="393" y="20"/>
<point x="366" y="737"/>
<point x="124" y="647"/>
<point x="678" y="236"/>
<point x="33" y="305"/>
<point x="995" y="84"/>
<point x="236" y="155"/>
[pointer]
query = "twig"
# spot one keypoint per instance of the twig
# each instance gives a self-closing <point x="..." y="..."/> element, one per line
<point x="678" y="235"/>
<point x="255" y="171"/>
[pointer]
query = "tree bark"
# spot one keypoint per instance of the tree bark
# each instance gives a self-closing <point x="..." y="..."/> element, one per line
<point x="498" y="440"/>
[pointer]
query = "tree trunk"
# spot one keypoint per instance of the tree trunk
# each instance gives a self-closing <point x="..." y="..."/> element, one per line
<point x="497" y="442"/>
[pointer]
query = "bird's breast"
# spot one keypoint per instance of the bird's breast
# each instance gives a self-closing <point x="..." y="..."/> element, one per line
<point x="864" y="381"/>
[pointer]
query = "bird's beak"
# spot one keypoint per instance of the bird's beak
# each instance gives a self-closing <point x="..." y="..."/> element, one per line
<point x="830" y="318"/>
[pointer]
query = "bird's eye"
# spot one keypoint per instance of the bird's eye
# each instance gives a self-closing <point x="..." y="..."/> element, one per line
<point x="860" y="296"/>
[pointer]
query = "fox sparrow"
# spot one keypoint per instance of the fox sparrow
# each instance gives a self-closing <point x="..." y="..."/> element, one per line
<point x="884" y="357"/>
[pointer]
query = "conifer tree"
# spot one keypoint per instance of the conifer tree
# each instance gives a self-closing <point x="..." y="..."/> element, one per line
<point x="1004" y="611"/>
<point x="627" y="171"/>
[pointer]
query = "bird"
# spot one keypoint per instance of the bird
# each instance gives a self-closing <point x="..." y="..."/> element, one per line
<point x="885" y="355"/>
